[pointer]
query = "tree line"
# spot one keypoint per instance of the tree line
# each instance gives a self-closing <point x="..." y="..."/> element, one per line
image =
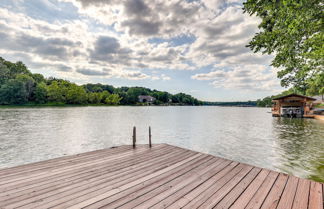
<point x="237" y="104"/>
<point x="18" y="86"/>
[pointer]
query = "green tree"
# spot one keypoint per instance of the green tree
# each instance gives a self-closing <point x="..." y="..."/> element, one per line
<point x="123" y="96"/>
<point x="98" y="88"/>
<point x="162" y="96"/>
<point x="94" y="97"/>
<point x="317" y="87"/>
<point x="4" y="73"/>
<point x="184" y="99"/>
<point x="13" y="92"/>
<point x="93" y="87"/>
<point x="29" y="83"/>
<point x="38" y="78"/>
<point x="55" y="92"/>
<point x="40" y="93"/>
<point x="76" y="94"/>
<point x="113" y="99"/>
<point x="104" y="95"/>
<point x="15" y="68"/>
<point x="265" y="102"/>
<point x="292" y="30"/>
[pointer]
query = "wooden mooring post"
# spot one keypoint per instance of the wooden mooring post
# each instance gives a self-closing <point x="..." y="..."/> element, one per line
<point x="134" y="136"/>
<point x="150" y="137"/>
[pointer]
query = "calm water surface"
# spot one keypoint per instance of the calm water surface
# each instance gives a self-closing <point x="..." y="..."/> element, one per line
<point x="249" y="135"/>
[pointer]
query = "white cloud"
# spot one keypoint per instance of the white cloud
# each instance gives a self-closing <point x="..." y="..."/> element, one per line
<point x="210" y="76"/>
<point x="117" y="35"/>
<point x="90" y="72"/>
<point x="163" y="77"/>
<point x="247" y="77"/>
<point x="134" y="75"/>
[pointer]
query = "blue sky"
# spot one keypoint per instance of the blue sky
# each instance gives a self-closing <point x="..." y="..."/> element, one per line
<point x="195" y="47"/>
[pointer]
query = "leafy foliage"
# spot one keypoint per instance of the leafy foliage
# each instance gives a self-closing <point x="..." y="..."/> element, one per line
<point x="267" y="101"/>
<point x="292" y="30"/>
<point x="13" y="92"/>
<point x="76" y="94"/>
<point x="19" y="86"/>
<point x="40" y="93"/>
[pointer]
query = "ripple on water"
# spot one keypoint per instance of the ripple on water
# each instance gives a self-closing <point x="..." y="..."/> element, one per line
<point x="248" y="135"/>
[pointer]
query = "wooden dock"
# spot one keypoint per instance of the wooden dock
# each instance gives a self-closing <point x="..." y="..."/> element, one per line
<point x="163" y="176"/>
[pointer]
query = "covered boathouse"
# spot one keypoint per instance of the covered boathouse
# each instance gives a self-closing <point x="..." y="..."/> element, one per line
<point x="292" y="105"/>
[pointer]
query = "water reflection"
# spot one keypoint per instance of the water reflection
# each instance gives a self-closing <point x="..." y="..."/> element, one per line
<point x="249" y="135"/>
<point x="299" y="147"/>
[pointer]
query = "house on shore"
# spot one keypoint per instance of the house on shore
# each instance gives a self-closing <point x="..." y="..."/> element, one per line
<point x="292" y="105"/>
<point x="146" y="99"/>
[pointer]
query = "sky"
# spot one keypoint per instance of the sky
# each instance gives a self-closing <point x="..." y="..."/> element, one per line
<point x="193" y="46"/>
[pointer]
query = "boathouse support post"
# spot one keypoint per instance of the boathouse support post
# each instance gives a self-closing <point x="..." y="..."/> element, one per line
<point x="150" y="137"/>
<point x="134" y="136"/>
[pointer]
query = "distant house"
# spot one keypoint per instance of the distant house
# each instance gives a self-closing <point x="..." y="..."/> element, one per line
<point x="292" y="105"/>
<point x="146" y="99"/>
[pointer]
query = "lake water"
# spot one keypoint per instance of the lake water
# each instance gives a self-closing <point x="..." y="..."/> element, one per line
<point x="249" y="135"/>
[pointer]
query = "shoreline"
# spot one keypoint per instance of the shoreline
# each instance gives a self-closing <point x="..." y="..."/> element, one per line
<point x="86" y="105"/>
<point x="106" y="105"/>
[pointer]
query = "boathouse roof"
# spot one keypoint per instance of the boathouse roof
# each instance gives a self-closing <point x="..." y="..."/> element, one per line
<point x="294" y="95"/>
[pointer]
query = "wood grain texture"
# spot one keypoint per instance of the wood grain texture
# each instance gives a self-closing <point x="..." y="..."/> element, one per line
<point x="288" y="196"/>
<point x="274" y="195"/>
<point x="315" y="196"/>
<point x="161" y="176"/>
<point x="248" y="193"/>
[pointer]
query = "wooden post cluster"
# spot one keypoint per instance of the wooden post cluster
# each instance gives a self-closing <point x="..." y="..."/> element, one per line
<point x="134" y="137"/>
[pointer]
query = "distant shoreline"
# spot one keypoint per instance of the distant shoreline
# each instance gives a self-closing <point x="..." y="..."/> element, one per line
<point x="105" y="105"/>
<point x="88" y="105"/>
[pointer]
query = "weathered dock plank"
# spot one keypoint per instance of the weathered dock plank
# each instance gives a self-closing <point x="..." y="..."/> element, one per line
<point x="163" y="176"/>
